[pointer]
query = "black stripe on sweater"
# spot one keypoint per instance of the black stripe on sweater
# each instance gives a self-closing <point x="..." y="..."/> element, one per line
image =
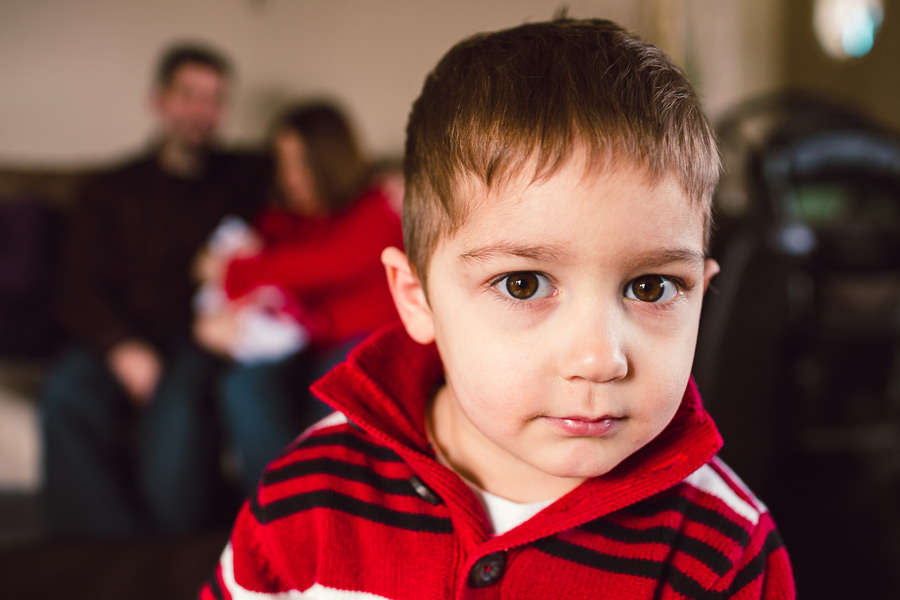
<point x="717" y="562"/>
<point x="658" y="571"/>
<point x="351" y="440"/>
<point x="689" y="587"/>
<point x="757" y="566"/>
<point x="343" y="470"/>
<point x="640" y="567"/>
<point x="291" y="505"/>
<point x="693" y="512"/>
<point x="215" y="589"/>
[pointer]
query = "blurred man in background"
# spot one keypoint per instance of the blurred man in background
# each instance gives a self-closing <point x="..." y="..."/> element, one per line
<point x="129" y="442"/>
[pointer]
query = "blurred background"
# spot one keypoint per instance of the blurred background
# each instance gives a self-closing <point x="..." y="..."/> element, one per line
<point x="798" y="354"/>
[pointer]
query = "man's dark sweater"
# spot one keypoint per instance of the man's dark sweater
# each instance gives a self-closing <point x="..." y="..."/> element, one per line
<point x="125" y="267"/>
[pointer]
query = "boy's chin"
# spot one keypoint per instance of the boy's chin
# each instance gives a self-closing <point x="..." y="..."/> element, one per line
<point x="577" y="470"/>
<point x="581" y="473"/>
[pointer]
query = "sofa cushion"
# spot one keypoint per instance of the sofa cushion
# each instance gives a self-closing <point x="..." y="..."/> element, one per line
<point x="29" y="235"/>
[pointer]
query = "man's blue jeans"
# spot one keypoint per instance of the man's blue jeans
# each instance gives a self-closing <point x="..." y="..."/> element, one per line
<point x="114" y="470"/>
<point x="265" y="406"/>
<point x="111" y="469"/>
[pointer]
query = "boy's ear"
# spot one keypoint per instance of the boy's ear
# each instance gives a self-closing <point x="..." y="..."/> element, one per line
<point x="409" y="297"/>
<point x="710" y="270"/>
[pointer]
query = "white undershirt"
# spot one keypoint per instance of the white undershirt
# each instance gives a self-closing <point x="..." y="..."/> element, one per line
<point x="505" y="514"/>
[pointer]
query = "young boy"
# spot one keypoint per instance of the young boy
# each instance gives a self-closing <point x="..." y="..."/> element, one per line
<point x="532" y="430"/>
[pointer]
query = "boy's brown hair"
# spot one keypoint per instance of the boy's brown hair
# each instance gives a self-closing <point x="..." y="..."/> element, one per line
<point x="501" y="102"/>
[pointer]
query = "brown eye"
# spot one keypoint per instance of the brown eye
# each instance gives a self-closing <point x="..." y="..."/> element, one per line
<point x="651" y="288"/>
<point x="525" y="286"/>
<point x="522" y="286"/>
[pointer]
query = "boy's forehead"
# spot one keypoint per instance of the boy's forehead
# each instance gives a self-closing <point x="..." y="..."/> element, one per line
<point x="531" y="217"/>
<point x="513" y="193"/>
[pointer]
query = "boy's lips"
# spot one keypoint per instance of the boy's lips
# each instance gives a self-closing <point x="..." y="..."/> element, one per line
<point x="585" y="426"/>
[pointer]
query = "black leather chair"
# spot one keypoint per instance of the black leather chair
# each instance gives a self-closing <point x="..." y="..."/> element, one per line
<point x="799" y="351"/>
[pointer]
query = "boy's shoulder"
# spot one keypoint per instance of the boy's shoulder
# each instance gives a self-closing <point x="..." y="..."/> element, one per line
<point x="332" y="462"/>
<point x="712" y="499"/>
<point x="334" y="445"/>
<point x="725" y="488"/>
<point x="337" y="482"/>
<point x="705" y="534"/>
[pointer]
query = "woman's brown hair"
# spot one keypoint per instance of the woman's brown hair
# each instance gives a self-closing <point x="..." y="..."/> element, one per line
<point x="340" y="169"/>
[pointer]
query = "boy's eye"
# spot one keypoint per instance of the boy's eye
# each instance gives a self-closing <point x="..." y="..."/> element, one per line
<point x="651" y="288"/>
<point x="524" y="285"/>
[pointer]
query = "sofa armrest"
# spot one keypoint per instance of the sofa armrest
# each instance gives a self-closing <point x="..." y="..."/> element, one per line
<point x="56" y="186"/>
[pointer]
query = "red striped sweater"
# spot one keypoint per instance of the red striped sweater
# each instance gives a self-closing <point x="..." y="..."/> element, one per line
<point x="359" y="508"/>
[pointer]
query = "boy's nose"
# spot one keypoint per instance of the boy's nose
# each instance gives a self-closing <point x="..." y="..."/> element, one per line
<point x="594" y="352"/>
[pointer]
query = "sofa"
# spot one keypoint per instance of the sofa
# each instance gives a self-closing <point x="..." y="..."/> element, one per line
<point x="33" y="206"/>
<point x="33" y="203"/>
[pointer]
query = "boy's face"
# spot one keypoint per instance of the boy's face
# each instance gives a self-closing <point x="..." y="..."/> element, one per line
<point x="566" y="314"/>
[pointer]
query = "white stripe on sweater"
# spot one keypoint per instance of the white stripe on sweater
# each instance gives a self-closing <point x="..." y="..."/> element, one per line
<point x="330" y="420"/>
<point x="708" y="480"/>
<point x="316" y="592"/>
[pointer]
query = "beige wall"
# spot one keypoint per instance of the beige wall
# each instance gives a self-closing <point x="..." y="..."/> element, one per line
<point x="731" y="49"/>
<point x="74" y="74"/>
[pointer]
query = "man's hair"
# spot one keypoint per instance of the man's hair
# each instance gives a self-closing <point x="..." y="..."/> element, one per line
<point x="526" y="98"/>
<point x="190" y="53"/>
<point x="340" y="169"/>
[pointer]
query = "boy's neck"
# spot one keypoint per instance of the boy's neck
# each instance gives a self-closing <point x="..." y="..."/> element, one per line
<point x="498" y="472"/>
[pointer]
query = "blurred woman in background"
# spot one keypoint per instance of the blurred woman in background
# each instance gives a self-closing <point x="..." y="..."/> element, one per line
<point x="302" y="286"/>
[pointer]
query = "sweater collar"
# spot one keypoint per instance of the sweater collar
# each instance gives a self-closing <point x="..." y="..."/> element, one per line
<point x="383" y="388"/>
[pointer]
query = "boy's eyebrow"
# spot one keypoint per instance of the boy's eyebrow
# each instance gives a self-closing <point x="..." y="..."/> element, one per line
<point x="656" y="257"/>
<point x="536" y="253"/>
<point x="664" y="256"/>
